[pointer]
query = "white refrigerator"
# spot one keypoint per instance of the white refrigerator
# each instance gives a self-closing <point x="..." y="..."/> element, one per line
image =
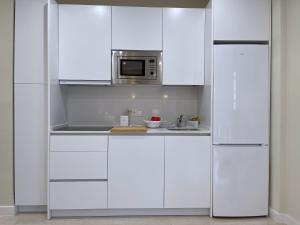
<point x="241" y="130"/>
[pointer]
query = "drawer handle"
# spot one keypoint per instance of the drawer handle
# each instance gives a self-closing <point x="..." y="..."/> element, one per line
<point x="76" y="180"/>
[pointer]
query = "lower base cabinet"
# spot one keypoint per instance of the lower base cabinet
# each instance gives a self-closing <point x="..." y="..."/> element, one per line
<point x="78" y="172"/>
<point x="187" y="172"/>
<point x="78" y="195"/>
<point x="136" y="172"/>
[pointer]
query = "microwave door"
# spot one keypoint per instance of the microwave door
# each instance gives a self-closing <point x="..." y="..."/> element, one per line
<point x="131" y="68"/>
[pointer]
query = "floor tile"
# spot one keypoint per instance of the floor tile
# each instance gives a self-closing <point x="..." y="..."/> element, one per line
<point x="141" y="220"/>
<point x="41" y="219"/>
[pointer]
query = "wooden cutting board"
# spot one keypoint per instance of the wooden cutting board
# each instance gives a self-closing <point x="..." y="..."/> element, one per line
<point x="129" y="129"/>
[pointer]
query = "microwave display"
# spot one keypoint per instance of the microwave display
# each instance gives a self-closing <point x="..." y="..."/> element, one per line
<point x="131" y="67"/>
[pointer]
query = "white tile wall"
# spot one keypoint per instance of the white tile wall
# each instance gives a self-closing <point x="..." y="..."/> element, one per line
<point x="100" y="105"/>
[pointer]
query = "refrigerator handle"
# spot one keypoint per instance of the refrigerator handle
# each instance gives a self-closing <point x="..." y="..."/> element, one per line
<point x="243" y="145"/>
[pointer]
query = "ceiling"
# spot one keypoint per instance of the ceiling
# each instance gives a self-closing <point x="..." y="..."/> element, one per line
<point x="153" y="3"/>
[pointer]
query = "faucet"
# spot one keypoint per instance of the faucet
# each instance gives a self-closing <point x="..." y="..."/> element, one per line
<point x="180" y="121"/>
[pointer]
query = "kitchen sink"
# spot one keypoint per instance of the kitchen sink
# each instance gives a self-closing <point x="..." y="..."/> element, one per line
<point x="84" y="128"/>
<point x="182" y="128"/>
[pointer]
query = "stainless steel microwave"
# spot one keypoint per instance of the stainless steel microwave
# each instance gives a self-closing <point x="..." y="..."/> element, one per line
<point x="136" y="67"/>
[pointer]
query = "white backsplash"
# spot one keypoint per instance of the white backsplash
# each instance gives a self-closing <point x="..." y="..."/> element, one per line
<point x="100" y="105"/>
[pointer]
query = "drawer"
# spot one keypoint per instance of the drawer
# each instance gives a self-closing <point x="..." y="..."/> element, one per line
<point x="78" y="143"/>
<point x="78" y="195"/>
<point x="78" y="165"/>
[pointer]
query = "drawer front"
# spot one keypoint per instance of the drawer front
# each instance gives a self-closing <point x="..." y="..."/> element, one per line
<point x="78" y="143"/>
<point x="78" y="165"/>
<point x="78" y="195"/>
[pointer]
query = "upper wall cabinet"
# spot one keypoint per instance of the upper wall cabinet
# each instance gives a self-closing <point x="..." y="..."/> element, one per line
<point x="85" y="42"/>
<point x="30" y="41"/>
<point x="136" y="28"/>
<point x="183" y="46"/>
<point x="242" y="20"/>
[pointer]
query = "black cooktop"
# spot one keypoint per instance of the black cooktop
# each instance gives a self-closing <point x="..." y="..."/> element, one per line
<point x="83" y="128"/>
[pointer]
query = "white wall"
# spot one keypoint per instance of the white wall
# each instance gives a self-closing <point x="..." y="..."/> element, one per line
<point x="285" y="150"/>
<point x="6" y="102"/>
<point x="277" y="101"/>
<point x="291" y="202"/>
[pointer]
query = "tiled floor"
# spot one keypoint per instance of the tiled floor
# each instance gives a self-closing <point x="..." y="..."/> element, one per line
<point x="40" y="219"/>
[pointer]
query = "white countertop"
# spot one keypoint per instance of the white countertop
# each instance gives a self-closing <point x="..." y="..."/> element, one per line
<point x="159" y="131"/>
<point x="200" y="131"/>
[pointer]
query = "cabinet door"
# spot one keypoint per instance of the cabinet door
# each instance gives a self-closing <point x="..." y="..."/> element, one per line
<point x="183" y="46"/>
<point x="30" y="144"/>
<point x="136" y="28"/>
<point x="187" y="172"/>
<point x="30" y="41"/>
<point x="135" y="172"/>
<point x="78" y="195"/>
<point x="85" y="42"/>
<point x="246" y="20"/>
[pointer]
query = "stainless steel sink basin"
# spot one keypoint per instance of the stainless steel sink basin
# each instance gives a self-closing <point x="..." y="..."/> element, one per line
<point x="182" y="128"/>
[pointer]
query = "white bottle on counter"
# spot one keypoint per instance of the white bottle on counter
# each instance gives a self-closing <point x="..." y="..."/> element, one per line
<point x="124" y="121"/>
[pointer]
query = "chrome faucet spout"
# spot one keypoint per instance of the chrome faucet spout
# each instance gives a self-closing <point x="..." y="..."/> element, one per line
<point x="179" y="121"/>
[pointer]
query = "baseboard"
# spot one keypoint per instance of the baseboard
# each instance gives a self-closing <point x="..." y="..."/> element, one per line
<point x="283" y="218"/>
<point x="31" y="209"/>
<point x="128" y="212"/>
<point x="7" y="210"/>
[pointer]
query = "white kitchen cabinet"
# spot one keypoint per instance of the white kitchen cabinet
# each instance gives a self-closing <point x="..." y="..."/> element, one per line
<point x="30" y="144"/>
<point x="78" y="165"/>
<point x="136" y="28"/>
<point x="30" y="103"/>
<point x="183" y="46"/>
<point x="242" y="20"/>
<point x="78" y="143"/>
<point x="78" y="195"/>
<point x="135" y="172"/>
<point x="30" y="41"/>
<point x="187" y="172"/>
<point x="85" y="42"/>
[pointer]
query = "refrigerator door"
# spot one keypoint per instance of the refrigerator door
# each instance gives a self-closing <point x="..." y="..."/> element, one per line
<point x="241" y="94"/>
<point x="240" y="181"/>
